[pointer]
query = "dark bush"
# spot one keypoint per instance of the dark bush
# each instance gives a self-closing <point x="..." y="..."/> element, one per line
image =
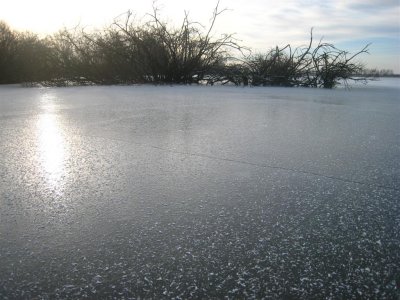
<point x="8" y="59"/>
<point x="321" y="66"/>
<point x="155" y="52"/>
<point x="23" y="57"/>
<point x="182" y="55"/>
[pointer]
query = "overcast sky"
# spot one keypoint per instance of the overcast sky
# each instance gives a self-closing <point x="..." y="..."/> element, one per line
<point x="260" y="24"/>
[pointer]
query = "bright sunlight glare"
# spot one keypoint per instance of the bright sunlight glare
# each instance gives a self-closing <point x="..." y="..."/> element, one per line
<point x="52" y="148"/>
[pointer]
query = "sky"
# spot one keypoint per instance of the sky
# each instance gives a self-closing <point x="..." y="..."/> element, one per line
<point x="259" y="24"/>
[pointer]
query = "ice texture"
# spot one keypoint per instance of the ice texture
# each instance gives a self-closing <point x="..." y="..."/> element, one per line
<point x="199" y="192"/>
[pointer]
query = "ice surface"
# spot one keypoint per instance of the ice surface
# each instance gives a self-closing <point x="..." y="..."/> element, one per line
<point x="198" y="192"/>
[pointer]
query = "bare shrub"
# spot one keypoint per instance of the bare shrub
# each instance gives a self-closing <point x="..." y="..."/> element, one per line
<point x="322" y="65"/>
<point x="156" y="52"/>
<point x="178" y="55"/>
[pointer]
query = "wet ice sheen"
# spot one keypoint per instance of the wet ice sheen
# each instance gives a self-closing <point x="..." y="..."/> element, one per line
<point x="191" y="192"/>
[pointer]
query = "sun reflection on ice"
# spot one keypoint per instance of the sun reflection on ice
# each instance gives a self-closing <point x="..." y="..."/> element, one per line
<point x="52" y="147"/>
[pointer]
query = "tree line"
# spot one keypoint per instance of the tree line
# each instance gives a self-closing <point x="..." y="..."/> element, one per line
<point x="153" y="51"/>
<point x="377" y="73"/>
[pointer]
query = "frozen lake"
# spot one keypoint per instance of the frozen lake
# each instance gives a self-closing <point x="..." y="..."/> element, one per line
<point x="199" y="192"/>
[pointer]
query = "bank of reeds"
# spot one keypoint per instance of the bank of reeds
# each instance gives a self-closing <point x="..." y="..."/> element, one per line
<point x="153" y="51"/>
